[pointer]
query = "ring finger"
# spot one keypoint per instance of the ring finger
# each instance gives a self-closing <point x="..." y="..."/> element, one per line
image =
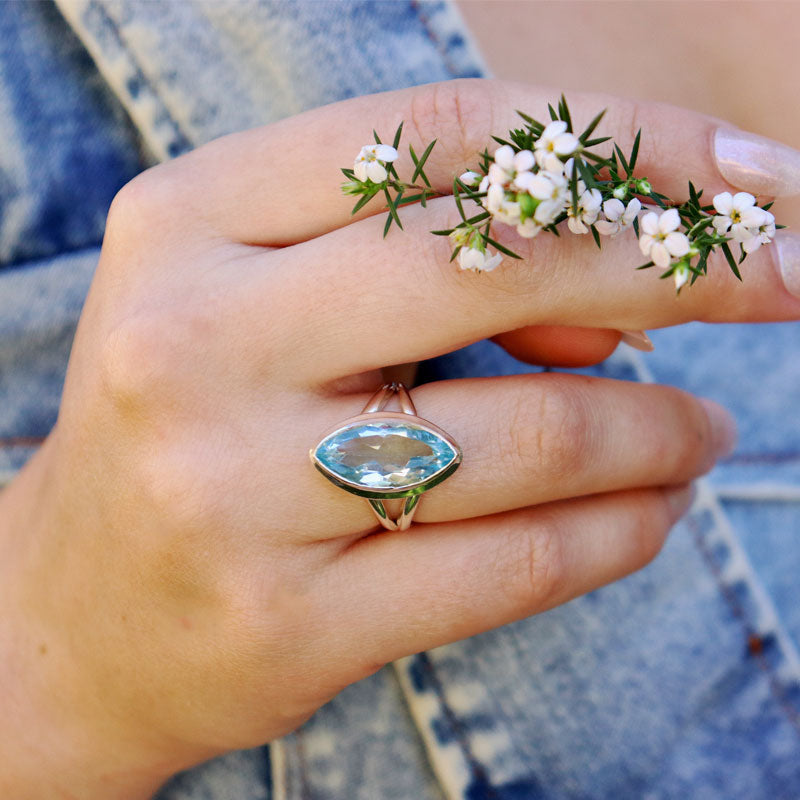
<point x="531" y="439"/>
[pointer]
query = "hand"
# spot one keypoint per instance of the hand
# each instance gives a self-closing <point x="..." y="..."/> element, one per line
<point x="187" y="583"/>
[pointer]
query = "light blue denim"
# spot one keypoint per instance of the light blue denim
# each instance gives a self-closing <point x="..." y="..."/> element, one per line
<point x="681" y="681"/>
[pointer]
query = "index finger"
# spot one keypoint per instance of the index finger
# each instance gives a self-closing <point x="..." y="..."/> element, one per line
<point x="280" y="184"/>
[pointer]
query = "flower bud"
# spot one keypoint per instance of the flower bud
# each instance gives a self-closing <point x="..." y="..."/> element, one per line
<point x="621" y="191"/>
<point x="527" y="205"/>
<point x="354" y="187"/>
<point x="643" y="186"/>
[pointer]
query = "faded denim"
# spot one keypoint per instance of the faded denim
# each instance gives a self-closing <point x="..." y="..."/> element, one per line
<point x="682" y="680"/>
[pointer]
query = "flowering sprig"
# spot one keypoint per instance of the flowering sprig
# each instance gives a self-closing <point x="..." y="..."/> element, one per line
<point x="373" y="173"/>
<point x="544" y="174"/>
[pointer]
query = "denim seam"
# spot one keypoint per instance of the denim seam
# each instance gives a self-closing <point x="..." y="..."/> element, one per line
<point x="755" y="641"/>
<point x="779" y="686"/>
<point x="434" y="37"/>
<point x="477" y="771"/>
<point x="79" y="16"/>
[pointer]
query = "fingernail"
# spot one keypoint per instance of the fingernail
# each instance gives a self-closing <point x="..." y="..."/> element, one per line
<point x="680" y="500"/>
<point x="638" y="340"/>
<point x="723" y="427"/>
<point x="757" y="164"/>
<point x="787" y="250"/>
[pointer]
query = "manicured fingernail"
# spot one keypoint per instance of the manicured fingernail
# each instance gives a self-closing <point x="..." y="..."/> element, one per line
<point x="639" y="340"/>
<point x="680" y="500"/>
<point x="787" y="251"/>
<point x="757" y="164"/>
<point x="723" y="427"/>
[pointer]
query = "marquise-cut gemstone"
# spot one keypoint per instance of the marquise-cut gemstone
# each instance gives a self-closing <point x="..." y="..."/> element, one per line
<point x="388" y="454"/>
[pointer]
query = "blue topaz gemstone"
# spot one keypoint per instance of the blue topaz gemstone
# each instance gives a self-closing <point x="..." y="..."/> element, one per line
<point x="386" y="458"/>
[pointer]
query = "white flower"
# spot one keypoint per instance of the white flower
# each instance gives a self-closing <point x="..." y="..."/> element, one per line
<point x="507" y="164"/>
<point x="529" y="228"/>
<point x="589" y="204"/>
<point x="737" y="214"/>
<point x="469" y="178"/>
<point x="371" y="162"/>
<point x="659" y="240"/>
<point x="763" y="235"/>
<point x="553" y="143"/>
<point x="618" y="217"/>
<point x="681" y="275"/>
<point x="550" y="189"/>
<point x="477" y="259"/>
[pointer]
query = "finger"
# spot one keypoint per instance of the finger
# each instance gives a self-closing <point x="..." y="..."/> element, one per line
<point x="530" y="439"/>
<point x="400" y="300"/>
<point x="400" y="593"/>
<point x="554" y="346"/>
<point x="280" y="184"/>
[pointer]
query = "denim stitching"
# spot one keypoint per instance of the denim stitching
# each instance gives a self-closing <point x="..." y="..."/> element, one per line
<point x="181" y="141"/>
<point x="754" y="641"/>
<point x="441" y="48"/>
<point x="478" y="771"/>
<point x="778" y="686"/>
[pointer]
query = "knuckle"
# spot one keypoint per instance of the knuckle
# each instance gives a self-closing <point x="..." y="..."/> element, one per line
<point x="650" y="522"/>
<point x="538" y="553"/>
<point x="551" y="433"/>
<point x="131" y="361"/>
<point x="458" y="113"/>
<point x="144" y="207"/>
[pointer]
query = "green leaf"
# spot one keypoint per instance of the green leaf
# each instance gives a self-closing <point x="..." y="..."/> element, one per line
<point x="348" y="173"/>
<point x="421" y="163"/>
<point x="500" y="247"/>
<point x="553" y="115"/>
<point x="596" y="237"/>
<point x="455" y="253"/>
<point x="731" y="261"/>
<point x="502" y="141"/>
<point x="622" y="160"/>
<point x="392" y="210"/>
<point x="647" y="265"/>
<point x="377" y="138"/>
<point x="362" y="201"/>
<point x="583" y="138"/>
<point x="564" y="111"/>
<point x="635" y="150"/>
<point x="397" y="135"/>
<point x="636" y="226"/>
<point x="457" y="197"/>
<point x="595" y="142"/>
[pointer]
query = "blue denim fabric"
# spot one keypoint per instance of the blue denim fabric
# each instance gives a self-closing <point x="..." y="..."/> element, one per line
<point x="682" y="680"/>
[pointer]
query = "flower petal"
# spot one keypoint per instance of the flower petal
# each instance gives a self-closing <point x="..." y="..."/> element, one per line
<point x="524" y="160"/>
<point x="752" y="244"/>
<point x="632" y="211"/>
<point x="723" y="203"/>
<point x="360" y="169"/>
<point x="660" y="255"/>
<point x="650" y="223"/>
<point x="565" y="144"/>
<point x="504" y="157"/>
<point x="743" y="200"/>
<point x="677" y="244"/>
<point x="376" y="172"/>
<point x="385" y="152"/>
<point x="606" y="228"/>
<point x="669" y="220"/>
<point x="613" y="209"/>
<point x="646" y="242"/>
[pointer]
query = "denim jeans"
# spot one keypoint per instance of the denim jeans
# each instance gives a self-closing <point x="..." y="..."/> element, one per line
<point x="682" y="680"/>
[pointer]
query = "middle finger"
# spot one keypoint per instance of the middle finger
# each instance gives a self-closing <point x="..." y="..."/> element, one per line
<point x="363" y="302"/>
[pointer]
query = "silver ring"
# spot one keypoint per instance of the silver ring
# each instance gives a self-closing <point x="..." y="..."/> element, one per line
<point x="382" y="455"/>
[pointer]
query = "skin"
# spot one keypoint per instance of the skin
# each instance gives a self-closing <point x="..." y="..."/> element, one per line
<point x="181" y="582"/>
